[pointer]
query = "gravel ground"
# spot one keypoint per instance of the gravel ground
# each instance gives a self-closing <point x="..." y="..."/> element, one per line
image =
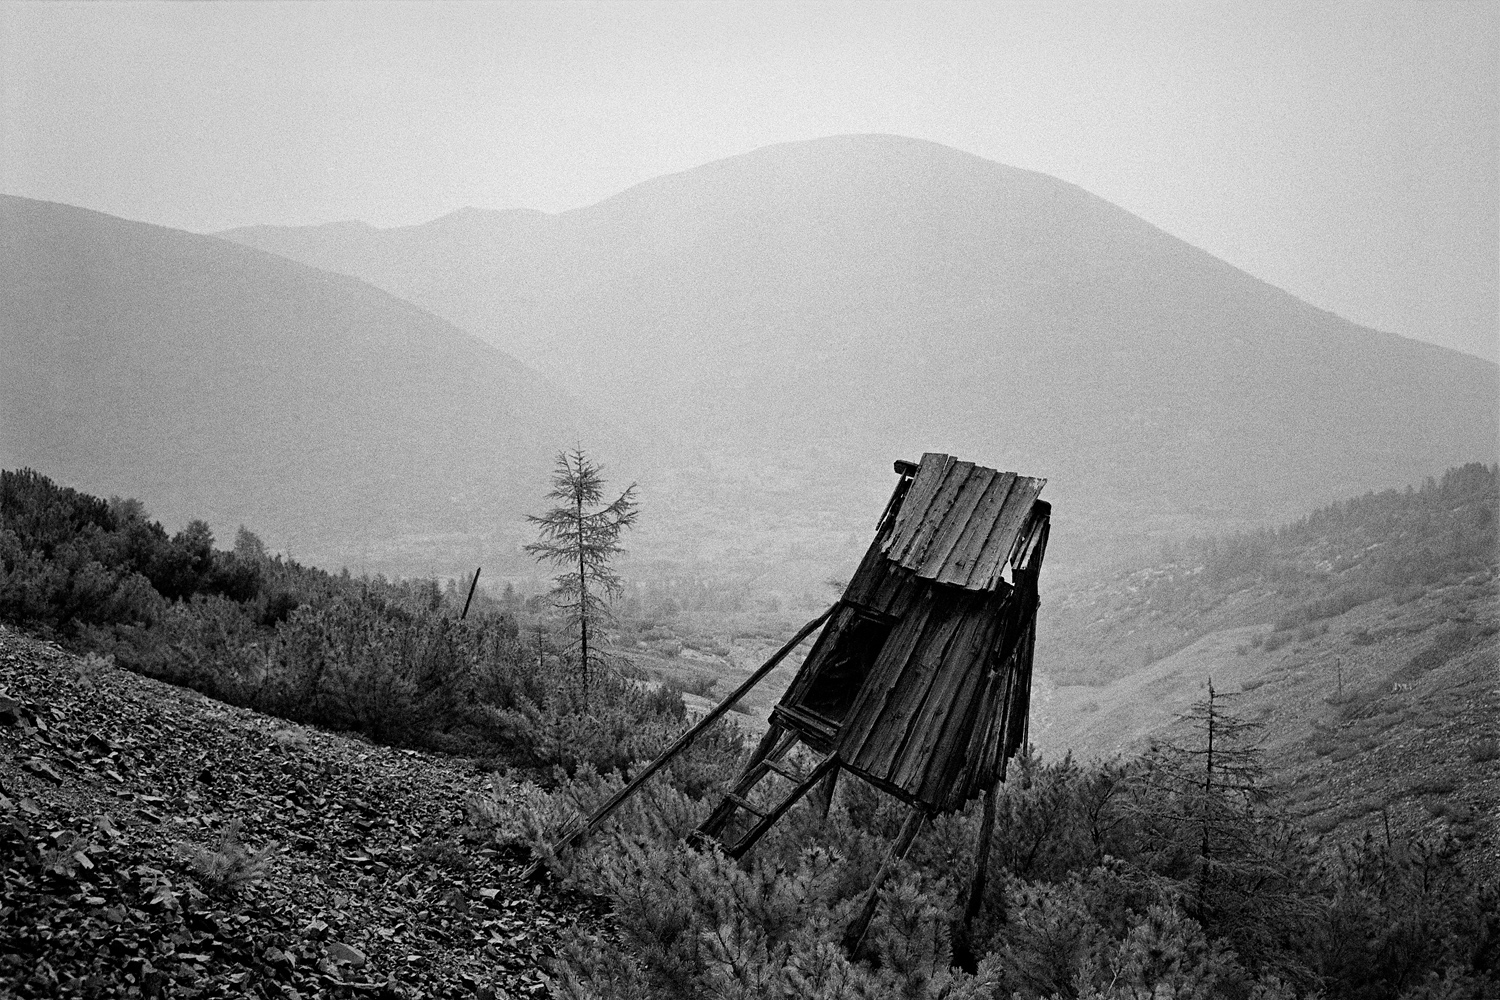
<point x="109" y="781"/>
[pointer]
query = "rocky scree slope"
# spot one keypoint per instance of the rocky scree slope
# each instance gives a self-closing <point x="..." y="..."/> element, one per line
<point x="109" y="785"/>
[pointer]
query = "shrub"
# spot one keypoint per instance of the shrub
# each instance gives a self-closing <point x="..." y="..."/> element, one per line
<point x="229" y="867"/>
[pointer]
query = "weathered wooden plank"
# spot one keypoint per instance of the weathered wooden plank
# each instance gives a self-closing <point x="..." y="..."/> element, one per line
<point x="885" y="675"/>
<point x="1020" y="705"/>
<point x="959" y="568"/>
<point x="991" y="744"/>
<point x="881" y="754"/>
<point x="955" y="521"/>
<point x="1036" y="547"/>
<point x="958" y="663"/>
<point x="926" y="522"/>
<point x="997" y="548"/>
<point x="855" y="933"/>
<point x="956" y="788"/>
<point x="928" y="765"/>
<point x="937" y="514"/>
<point x="929" y="478"/>
<point x="868" y="576"/>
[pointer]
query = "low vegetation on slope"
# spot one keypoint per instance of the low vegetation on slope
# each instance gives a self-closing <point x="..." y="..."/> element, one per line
<point x="1391" y="544"/>
<point x="1167" y="876"/>
<point x="1175" y="874"/>
<point x="387" y="659"/>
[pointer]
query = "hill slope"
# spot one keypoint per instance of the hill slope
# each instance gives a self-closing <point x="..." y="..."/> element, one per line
<point x="215" y="380"/>
<point x="879" y="297"/>
<point x="1365" y="638"/>
<point x="108" y="780"/>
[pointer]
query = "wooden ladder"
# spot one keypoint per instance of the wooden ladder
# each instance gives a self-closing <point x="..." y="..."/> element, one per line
<point x="769" y="759"/>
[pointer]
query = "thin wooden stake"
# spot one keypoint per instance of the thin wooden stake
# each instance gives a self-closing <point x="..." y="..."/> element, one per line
<point x="576" y="836"/>
<point x="472" y="584"/>
<point x="855" y="934"/>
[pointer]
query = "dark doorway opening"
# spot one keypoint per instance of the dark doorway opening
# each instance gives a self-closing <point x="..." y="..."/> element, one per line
<point x="860" y="635"/>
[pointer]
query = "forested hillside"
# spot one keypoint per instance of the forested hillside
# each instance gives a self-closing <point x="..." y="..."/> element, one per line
<point x="1170" y="872"/>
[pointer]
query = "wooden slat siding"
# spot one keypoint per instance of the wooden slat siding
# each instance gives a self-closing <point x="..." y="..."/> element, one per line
<point x="899" y="591"/>
<point x="955" y="521"/>
<point x="994" y="761"/>
<point x="997" y="548"/>
<point x="986" y="751"/>
<point x="910" y="674"/>
<point x="934" y="762"/>
<point x="897" y="725"/>
<point x="923" y="531"/>
<point x="969" y="760"/>
<point x="929" y="478"/>
<point x="959" y="567"/>
<point x="921" y="722"/>
<point x="1021" y="704"/>
<point x="982" y="755"/>
<point x="870" y="741"/>
<point x="884" y="675"/>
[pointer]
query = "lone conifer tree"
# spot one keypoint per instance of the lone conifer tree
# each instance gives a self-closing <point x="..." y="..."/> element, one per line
<point x="581" y="537"/>
<point x="1203" y="823"/>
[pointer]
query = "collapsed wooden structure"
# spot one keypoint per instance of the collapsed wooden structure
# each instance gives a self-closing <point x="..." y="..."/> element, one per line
<point x="920" y="679"/>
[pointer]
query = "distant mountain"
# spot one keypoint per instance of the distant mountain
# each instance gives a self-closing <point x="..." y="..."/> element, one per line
<point x="218" y="381"/>
<point x="855" y="299"/>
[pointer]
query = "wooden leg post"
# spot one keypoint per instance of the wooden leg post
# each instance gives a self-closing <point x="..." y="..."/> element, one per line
<point x="824" y="793"/>
<point x="854" y="936"/>
<point x="963" y="953"/>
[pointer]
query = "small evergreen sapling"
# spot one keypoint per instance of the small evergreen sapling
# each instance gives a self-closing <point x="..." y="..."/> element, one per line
<point x="580" y="536"/>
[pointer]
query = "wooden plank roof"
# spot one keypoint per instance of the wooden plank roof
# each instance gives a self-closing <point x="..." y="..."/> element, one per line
<point x="959" y="522"/>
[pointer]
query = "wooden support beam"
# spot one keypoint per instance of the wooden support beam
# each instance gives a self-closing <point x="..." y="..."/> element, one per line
<point x="824" y="795"/>
<point x="854" y="935"/>
<point x="981" y="856"/>
<point x="472" y="584"/>
<point x="962" y="931"/>
<point x="576" y="836"/>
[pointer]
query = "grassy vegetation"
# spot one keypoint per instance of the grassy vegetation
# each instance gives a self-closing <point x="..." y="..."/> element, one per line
<point x="385" y="658"/>
<point x="1115" y="880"/>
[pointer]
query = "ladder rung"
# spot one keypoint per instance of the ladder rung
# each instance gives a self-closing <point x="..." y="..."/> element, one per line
<point x="744" y="804"/>
<point x="786" y="772"/>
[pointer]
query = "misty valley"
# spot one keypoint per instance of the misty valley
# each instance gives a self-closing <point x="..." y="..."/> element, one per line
<point x="379" y="608"/>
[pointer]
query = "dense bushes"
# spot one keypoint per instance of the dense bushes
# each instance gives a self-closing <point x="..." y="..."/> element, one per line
<point x="1118" y="880"/>
<point x="384" y="658"/>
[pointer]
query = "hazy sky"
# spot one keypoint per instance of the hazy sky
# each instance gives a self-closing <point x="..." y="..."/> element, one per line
<point x="1345" y="152"/>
